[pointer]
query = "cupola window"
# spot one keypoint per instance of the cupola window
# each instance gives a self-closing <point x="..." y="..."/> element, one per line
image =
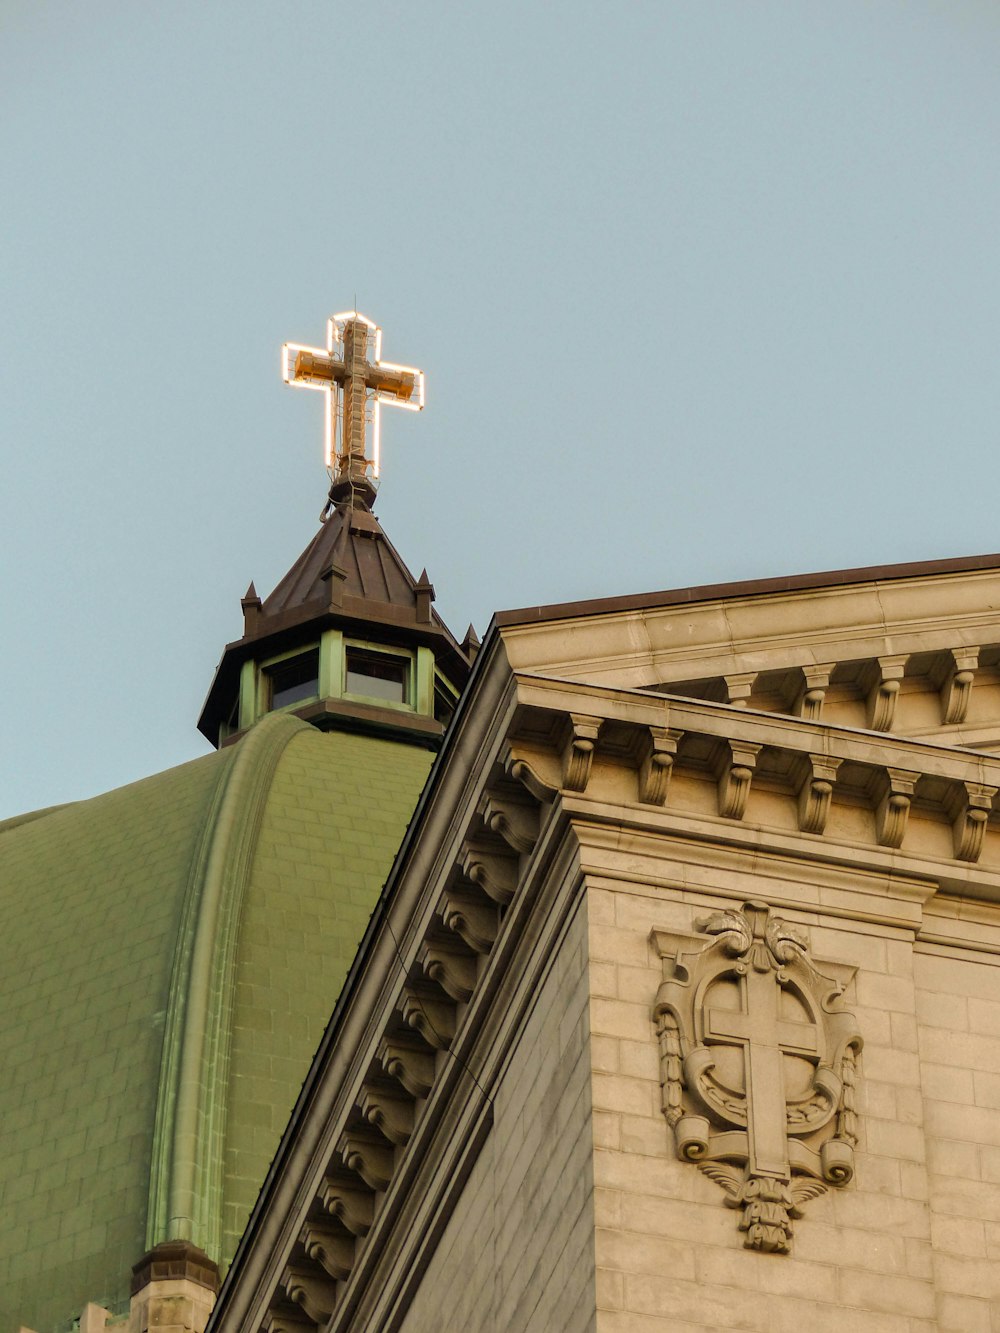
<point x="383" y="676"/>
<point x="232" y="723"/>
<point x="445" y="699"/>
<point x="293" y="679"/>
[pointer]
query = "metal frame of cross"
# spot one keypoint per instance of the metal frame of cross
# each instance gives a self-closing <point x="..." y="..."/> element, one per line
<point x="351" y="373"/>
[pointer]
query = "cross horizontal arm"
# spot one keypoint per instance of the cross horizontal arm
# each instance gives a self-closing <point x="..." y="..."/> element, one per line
<point x="317" y="366"/>
<point x="400" y="383"/>
<point x="795" y="1037"/>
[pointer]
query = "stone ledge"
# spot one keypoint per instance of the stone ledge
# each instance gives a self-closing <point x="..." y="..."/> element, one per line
<point x="175" y="1259"/>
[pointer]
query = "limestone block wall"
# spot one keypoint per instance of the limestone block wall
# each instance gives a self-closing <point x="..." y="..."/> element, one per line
<point x="958" y="1012"/>
<point x="518" y="1250"/>
<point x="878" y="1256"/>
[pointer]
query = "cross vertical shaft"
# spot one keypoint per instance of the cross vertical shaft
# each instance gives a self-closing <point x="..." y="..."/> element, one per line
<point x="352" y="460"/>
<point x="765" y="1038"/>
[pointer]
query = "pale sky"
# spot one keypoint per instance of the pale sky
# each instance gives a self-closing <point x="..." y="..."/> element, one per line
<point x="702" y="291"/>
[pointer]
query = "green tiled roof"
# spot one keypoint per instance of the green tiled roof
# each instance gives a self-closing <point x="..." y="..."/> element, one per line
<point x="337" y="811"/>
<point x="170" y="954"/>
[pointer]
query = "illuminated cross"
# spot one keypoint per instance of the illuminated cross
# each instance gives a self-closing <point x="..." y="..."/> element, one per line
<point x="352" y="375"/>
<point x="766" y="1038"/>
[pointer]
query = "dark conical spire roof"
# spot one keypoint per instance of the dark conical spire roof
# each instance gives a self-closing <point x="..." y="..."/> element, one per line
<point x="350" y="577"/>
<point x="352" y="549"/>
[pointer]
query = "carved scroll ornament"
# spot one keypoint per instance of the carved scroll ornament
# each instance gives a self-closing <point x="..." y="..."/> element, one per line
<point x="757" y="1066"/>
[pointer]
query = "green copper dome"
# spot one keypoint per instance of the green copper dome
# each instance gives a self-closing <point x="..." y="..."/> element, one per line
<point x="170" y="955"/>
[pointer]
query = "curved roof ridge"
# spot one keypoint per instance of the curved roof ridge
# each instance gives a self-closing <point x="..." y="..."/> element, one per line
<point x="29" y="816"/>
<point x="186" y="1170"/>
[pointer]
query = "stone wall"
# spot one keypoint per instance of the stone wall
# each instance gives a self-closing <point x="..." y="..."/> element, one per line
<point x="958" y="1011"/>
<point x="875" y="1256"/>
<point x="518" y="1251"/>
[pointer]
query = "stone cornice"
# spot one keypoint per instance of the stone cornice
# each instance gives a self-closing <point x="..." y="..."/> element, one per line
<point x="637" y="708"/>
<point x="814" y="769"/>
<point x="778" y="625"/>
<point x="679" y="598"/>
<point x="919" y="657"/>
<point x="680" y="856"/>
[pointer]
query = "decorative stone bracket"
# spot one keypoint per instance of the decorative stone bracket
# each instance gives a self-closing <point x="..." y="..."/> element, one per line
<point x="578" y="753"/>
<point x="969" y="817"/>
<point x="884" y="691"/>
<point x="739" y="687"/>
<point x="283" y="1322"/>
<point x="738" y="763"/>
<point x="369" y="1155"/>
<point x="739" y="1016"/>
<point x="492" y="872"/>
<point x="656" y="763"/>
<point x="332" y="1249"/>
<point x="451" y="966"/>
<point x="473" y="920"/>
<point x="390" y="1113"/>
<point x="659" y="745"/>
<point x="348" y="1201"/>
<point x="315" y="1295"/>
<point x="956" y="690"/>
<point x="815" y="683"/>
<point x="410" y="1062"/>
<point x="516" y="822"/>
<point x="816" y="792"/>
<point x="893" y="808"/>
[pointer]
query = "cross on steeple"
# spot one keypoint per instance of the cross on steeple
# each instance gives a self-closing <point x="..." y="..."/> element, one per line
<point x="354" y="378"/>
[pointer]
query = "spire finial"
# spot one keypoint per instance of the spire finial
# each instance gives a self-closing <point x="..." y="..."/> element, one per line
<point x="356" y="381"/>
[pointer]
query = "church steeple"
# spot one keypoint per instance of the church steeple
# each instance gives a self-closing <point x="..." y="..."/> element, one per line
<point x="348" y="638"/>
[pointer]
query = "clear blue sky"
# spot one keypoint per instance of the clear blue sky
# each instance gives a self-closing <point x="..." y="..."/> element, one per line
<point x="703" y="291"/>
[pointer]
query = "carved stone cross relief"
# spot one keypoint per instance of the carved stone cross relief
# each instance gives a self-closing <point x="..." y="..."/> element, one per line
<point x="757" y="1065"/>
